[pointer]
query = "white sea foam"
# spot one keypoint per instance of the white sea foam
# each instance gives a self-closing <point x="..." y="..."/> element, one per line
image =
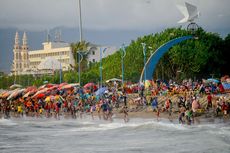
<point x="134" y="123"/>
<point x="7" y="122"/>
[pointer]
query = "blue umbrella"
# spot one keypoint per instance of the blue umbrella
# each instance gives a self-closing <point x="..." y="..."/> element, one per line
<point x="100" y="91"/>
<point x="226" y="86"/>
<point x="213" y="80"/>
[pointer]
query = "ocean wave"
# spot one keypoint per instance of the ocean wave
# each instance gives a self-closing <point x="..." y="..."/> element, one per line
<point x="118" y="124"/>
<point x="7" y="122"/>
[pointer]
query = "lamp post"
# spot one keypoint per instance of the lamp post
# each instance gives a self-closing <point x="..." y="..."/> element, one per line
<point x="101" y="54"/>
<point x="144" y="53"/>
<point x="122" y="61"/>
<point x="60" y="81"/>
<point x="80" y="58"/>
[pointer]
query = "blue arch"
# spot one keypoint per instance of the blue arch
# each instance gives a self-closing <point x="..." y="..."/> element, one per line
<point x="150" y="65"/>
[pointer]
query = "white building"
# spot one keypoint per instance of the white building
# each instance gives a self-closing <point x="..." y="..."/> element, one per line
<point x="97" y="52"/>
<point x="54" y="56"/>
<point x="60" y="51"/>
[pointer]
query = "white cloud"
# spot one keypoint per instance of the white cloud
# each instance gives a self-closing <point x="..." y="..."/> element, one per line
<point x="107" y="14"/>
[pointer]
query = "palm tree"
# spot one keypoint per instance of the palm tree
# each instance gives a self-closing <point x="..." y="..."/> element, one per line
<point x="80" y="47"/>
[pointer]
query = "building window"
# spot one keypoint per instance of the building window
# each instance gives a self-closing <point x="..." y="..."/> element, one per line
<point x="93" y="60"/>
<point x="93" y="52"/>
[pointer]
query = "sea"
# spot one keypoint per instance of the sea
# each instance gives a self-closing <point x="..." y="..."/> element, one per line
<point x="139" y="135"/>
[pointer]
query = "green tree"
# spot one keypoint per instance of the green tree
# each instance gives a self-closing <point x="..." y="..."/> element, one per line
<point x="80" y="47"/>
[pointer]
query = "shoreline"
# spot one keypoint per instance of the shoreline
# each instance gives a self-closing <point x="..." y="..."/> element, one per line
<point x="144" y="114"/>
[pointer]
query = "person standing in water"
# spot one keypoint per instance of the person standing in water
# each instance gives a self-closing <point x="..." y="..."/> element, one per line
<point x="170" y="110"/>
<point x="125" y="111"/>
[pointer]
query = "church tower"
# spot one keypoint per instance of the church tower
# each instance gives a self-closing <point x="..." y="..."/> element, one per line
<point x="24" y="53"/>
<point x="17" y="56"/>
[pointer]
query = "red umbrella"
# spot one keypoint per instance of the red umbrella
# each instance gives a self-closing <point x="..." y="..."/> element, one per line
<point x="31" y="88"/>
<point x="69" y="86"/>
<point x="50" y="85"/>
<point x="53" y="87"/>
<point x="41" y="95"/>
<point x="88" y="85"/>
<point x="46" y="86"/>
<point x="62" y="84"/>
<point x="43" y="91"/>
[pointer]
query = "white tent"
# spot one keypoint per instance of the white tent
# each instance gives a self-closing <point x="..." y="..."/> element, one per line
<point x="49" y="64"/>
<point x="114" y="79"/>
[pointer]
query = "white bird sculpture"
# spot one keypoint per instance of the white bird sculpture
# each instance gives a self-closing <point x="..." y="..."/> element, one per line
<point x="189" y="11"/>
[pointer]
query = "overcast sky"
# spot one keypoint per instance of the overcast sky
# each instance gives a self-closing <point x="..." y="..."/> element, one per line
<point x="109" y="14"/>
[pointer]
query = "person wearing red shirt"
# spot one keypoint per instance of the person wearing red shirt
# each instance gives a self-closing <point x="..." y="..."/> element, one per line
<point x="209" y="98"/>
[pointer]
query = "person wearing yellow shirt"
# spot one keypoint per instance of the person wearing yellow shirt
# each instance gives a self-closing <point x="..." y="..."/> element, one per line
<point x="20" y="110"/>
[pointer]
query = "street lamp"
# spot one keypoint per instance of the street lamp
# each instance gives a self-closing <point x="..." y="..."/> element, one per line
<point x="60" y="81"/>
<point x="101" y="54"/>
<point x="144" y="53"/>
<point x="80" y="58"/>
<point x="122" y="61"/>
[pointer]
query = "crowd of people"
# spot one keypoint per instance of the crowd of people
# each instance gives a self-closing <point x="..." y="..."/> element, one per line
<point x="68" y="103"/>
<point x="75" y="102"/>
<point x="188" y="102"/>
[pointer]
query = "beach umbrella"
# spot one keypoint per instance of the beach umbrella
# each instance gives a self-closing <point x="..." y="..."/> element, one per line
<point x="41" y="95"/>
<point x="68" y="86"/>
<point x="10" y="96"/>
<point x="28" y="94"/>
<point x="62" y="84"/>
<point x="2" y="93"/>
<point x="31" y="88"/>
<point x="43" y="91"/>
<point x="101" y="91"/>
<point x="49" y="85"/>
<point x="113" y="80"/>
<point x="14" y="86"/>
<point x="226" y="86"/>
<point x="52" y="87"/>
<point x="15" y="94"/>
<point x="41" y="87"/>
<point x="8" y="93"/>
<point x="89" y="85"/>
<point x="213" y="80"/>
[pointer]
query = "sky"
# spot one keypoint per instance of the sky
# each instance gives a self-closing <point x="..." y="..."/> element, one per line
<point x="104" y="21"/>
